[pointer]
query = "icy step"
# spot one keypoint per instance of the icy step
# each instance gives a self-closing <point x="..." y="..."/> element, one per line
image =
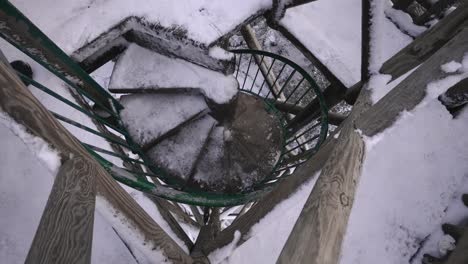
<point x="254" y="147"/>
<point x="151" y="117"/>
<point x="178" y="153"/>
<point x="139" y="69"/>
<point x="210" y="173"/>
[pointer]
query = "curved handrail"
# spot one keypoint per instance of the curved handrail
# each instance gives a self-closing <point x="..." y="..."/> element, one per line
<point x="28" y="41"/>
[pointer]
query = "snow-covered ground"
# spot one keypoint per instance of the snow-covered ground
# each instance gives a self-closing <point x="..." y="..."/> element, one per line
<point x="413" y="175"/>
<point x="73" y="23"/>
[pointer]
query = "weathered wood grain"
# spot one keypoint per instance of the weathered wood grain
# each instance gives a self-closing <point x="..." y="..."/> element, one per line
<point x="412" y="90"/>
<point x="161" y="204"/>
<point x="17" y="101"/>
<point x="207" y="233"/>
<point x="317" y="235"/>
<point x="244" y="222"/>
<point x="420" y="49"/>
<point x="456" y="95"/>
<point x="252" y="42"/>
<point x="334" y="81"/>
<point x="319" y="230"/>
<point x="65" y="232"/>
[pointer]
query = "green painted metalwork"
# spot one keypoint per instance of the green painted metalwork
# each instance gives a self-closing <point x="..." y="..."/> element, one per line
<point x="25" y="36"/>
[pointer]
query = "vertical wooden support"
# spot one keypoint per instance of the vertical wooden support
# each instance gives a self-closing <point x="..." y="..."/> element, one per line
<point x="420" y="49"/>
<point x="252" y="42"/>
<point x="318" y="233"/>
<point x="17" y="101"/>
<point x="65" y="232"/>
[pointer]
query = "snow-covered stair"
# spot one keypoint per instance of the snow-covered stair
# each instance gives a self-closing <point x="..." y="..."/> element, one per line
<point x="142" y="70"/>
<point x="149" y="118"/>
<point x="178" y="153"/>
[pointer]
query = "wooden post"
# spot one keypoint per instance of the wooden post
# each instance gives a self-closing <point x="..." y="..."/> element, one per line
<point x="65" y="232"/>
<point x="244" y="222"/>
<point x="420" y="49"/>
<point x="319" y="230"/>
<point x="249" y="36"/>
<point x="17" y="101"/>
<point x="456" y="95"/>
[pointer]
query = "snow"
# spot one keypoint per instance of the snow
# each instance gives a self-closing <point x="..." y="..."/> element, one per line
<point x="332" y="34"/>
<point x="129" y="233"/>
<point x="385" y="38"/>
<point x="337" y="42"/>
<point x="24" y="203"/>
<point x="412" y="173"/>
<point x="71" y="24"/>
<point x="149" y="116"/>
<point x="178" y="153"/>
<point x="404" y="22"/>
<point x="36" y="145"/>
<point x="220" y="53"/>
<point x="267" y="238"/>
<point x="25" y="184"/>
<point x="451" y="66"/>
<point x="140" y="68"/>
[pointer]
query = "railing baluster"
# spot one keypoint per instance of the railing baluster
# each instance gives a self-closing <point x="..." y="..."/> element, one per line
<point x="265" y="77"/>
<point x="286" y="83"/>
<point x="294" y="90"/>
<point x="277" y="78"/>
<point x="253" y="83"/>
<point x="238" y="64"/>
<point x="247" y="73"/>
<point x="108" y="137"/>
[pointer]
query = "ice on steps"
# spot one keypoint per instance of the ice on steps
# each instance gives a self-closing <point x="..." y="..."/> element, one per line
<point x="140" y="68"/>
<point x="178" y="153"/>
<point x="147" y="117"/>
<point x="210" y="172"/>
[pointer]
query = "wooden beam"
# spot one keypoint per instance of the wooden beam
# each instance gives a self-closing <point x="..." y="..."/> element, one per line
<point x="197" y="215"/>
<point x="336" y="119"/>
<point x="317" y="235"/>
<point x="420" y="49"/>
<point x="456" y="95"/>
<point x="259" y="210"/>
<point x="435" y="11"/>
<point x="65" y="232"/>
<point x="334" y="81"/>
<point x="412" y="90"/>
<point x="17" y="101"/>
<point x="252" y="42"/>
<point x="161" y="204"/>
<point x="207" y="233"/>
<point x="320" y="228"/>
<point x="365" y="38"/>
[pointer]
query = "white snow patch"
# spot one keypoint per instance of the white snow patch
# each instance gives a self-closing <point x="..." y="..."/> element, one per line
<point x="140" y="68"/>
<point x="41" y="149"/>
<point x="267" y="238"/>
<point x="136" y="240"/>
<point x="451" y="66"/>
<point x="411" y="174"/>
<point x="404" y="21"/>
<point x="220" y="53"/>
<point x="71" y="24"/>
<point x="385" y="38"/>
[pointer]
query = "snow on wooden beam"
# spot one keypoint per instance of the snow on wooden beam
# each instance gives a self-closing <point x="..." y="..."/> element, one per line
<point x="244" y="223"/>
<point x="420" y="49"/>
<point x="319" y="231"/>
<point x="17" y="101"/>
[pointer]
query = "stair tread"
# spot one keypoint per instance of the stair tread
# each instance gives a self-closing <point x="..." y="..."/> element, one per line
<point x="178" y="153"/>
<point x="149" y="117"/>
<point x="210" y="172"/>
<point x="142" y="69"/>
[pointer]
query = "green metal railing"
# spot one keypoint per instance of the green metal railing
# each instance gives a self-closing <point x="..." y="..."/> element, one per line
<point x="133" y="168"/>
<point x="281" y="83"/>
